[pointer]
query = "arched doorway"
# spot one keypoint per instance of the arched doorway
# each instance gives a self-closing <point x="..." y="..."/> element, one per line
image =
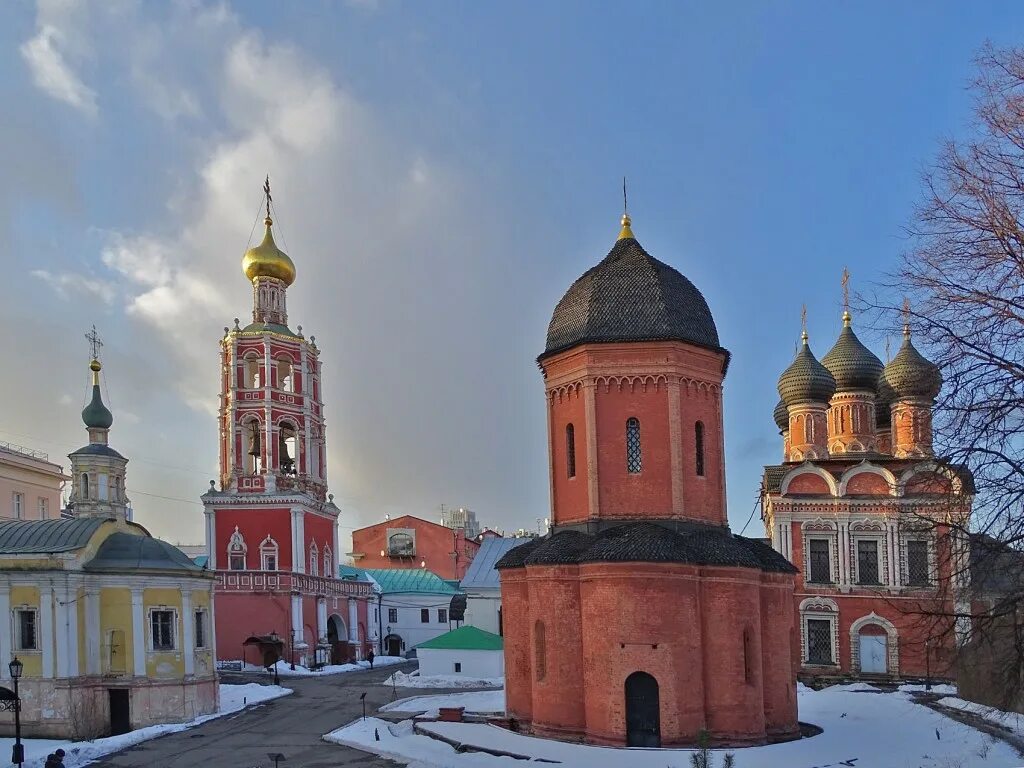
<point x="337" y="638"/>
<point x="393" y="645"/>
<point x="643" y="711"/>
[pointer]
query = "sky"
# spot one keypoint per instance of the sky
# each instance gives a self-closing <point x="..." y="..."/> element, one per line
<point x="442" y="172"/>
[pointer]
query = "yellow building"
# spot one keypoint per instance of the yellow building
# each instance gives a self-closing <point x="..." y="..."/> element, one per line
<point x="114" y="627"/>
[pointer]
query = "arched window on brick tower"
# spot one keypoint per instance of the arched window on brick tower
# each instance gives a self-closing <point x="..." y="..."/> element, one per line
<point x="634" y="455"/>
<point x="287" y="449"/>
<point x="253" y="379"/>
<point x="570" y="450"/>
<point x="540" y="651"/>
<point x="698" y="448"/>
<point x="268" y="554"/>
<point x="285" y="375"/>
<point x="236" y="551"/>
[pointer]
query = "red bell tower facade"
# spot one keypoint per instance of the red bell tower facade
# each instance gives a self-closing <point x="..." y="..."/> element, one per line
<point x="271" y="527"/>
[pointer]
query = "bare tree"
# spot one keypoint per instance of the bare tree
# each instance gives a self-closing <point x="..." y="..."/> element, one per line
<point x="964" y="278"/>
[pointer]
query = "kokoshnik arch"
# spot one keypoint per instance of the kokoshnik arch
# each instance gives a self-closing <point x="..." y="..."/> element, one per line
<point x="641" y="619"/>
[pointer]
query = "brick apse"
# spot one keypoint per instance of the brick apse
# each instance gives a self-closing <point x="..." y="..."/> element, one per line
<point x="641" y="619"/>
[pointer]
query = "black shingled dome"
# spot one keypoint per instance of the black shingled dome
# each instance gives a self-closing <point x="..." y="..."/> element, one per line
<point x="806" y="380"/>
<point x="851" y="364"/>
<point x="631" y="296"/>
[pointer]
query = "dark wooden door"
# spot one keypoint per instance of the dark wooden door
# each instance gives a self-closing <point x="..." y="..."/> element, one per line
<point x="120" y="711"/>
<point x="394" y="645"/>
<point x="643" y="711"/>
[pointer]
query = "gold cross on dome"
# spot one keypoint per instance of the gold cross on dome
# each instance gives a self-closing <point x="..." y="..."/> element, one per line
<point x="95" y="343"/>
<point x="266" y="191"/>
<point x="846" y="289"/>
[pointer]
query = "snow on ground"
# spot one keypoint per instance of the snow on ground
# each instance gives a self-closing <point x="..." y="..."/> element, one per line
<point x="415" y="680"/>
<point x="1012" y="721"/>
<point x="940" y="688"/>
<point x="284" y="668"/>
<point x="485" y="702"/>
<point x="232" y="699"/>
<point x="875" y="730"/>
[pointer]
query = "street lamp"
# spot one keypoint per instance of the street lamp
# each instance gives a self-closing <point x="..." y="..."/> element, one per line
<point x="18" y="752"/>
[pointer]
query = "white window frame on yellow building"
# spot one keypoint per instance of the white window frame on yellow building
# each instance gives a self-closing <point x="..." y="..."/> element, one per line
<point x="175" y="618"/>
<point x="16" y="612"/>
<point x="202" y="619"/>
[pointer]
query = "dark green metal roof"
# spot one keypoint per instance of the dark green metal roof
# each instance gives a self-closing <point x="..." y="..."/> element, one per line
<point x="465" y="638"/>
<point x="97" y="449"/>
<point x="806" y="380"/>
<point x="127" y="552"/>
<point x="283" y="330"/>
<point x="910" y="374"/>
<point x="781" y="416"/>
<point x="852" y="365"/>
<point x="96" y="415"/>
<point x="26" y="537"/>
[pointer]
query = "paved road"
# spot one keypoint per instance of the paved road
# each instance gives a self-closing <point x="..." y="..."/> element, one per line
<point x="291" y="725"/>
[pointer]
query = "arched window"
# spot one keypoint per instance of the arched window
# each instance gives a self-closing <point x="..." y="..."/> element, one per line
<point x="314" y="560"/>
<point x="253" y="437"/>
<point x="633" y="454"/>
<point x="539" y="651"/>
<point x="328" y="563"/>
<point x="252" y="372"/>
<point x="698" y="439"/>
<point x="85" y="486"/>
<point x="401" y="545"/>
<point x="103" y="487"/>
<point x="236" y="551"/>
<point x="268" y="554"/>
<point x="285" y="379"/>
<point x="570" y="450"/>
<point x="287" y="448"/>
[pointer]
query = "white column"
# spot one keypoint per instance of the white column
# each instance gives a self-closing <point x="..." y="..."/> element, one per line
<point x="894" y="553"/>
<point x="777" y="544"/>
<point x="353" y="620"/>
<point x="188" y="629"/>
<point x="67" y="633"/>
<point x="5" y="630"/>
<point x="297" y="630"/>
<point x="335" y="553"/>
<point x="321" y="617"/>
<point x="211" y="539"/>
<point x="138" y="634"/>
<point x="46" y="628"/>
<point x="93" y="641"/>
<point x="844" y="554"/>
<point x="298" y="540"/>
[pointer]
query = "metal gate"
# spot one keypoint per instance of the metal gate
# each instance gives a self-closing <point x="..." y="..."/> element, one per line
<point x="643" y="711"/>
<point x="873" y="654"/>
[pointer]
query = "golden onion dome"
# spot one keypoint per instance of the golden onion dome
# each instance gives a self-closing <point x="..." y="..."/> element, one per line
<point x="267" y="260"/>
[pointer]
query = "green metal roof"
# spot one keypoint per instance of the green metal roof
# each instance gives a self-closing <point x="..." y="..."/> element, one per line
<point x="129" y="552"/>
<point x="465" y="639"/>
<point x="351" y="573"/>
<point x="410" y="580"/>
<point x="25" y="537"/>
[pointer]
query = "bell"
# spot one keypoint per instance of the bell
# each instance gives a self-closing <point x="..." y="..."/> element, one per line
<point x="254" y="440"/>
<point x="282" y="448"/>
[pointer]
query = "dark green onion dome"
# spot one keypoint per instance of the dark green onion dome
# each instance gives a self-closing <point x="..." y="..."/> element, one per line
<point x="910" y="374"/>
<point x="806" y="380"/>
<point x="851" y="364"/>
<point x="781" y="416"/>
<point x="631" y="296"/>
<point x="96" y="415"/>
<point x="884" y="398"/>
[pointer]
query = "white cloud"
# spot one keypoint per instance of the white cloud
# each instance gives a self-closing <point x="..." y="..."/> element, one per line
<point x="67" y="283"/>
<point x="51" y="72"/>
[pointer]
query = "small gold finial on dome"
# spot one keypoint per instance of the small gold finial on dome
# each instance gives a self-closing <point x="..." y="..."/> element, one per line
<point x="845" y="280"/>
<point x="95" y="367"/>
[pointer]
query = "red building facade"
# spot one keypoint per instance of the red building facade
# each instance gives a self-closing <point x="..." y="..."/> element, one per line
<point x="641" y="619"/>
<point x="412" y="542"/>
<point x="271" y="527"/>
<point x="860" y="505"/>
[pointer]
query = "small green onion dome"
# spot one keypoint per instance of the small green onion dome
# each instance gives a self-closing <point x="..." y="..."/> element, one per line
<point x="806" y="380"/>
<point x="910" y="374"/>
<point x="884" y="398"/>
<point x="96" y="415"/>
<point x="851" y="364"/>
<point x="781" y="416"/>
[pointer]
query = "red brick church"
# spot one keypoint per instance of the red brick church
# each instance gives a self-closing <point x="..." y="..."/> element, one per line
<point x="860" y="505"/>
<point x="641" y="619"/>
<point x="271" y="527"/>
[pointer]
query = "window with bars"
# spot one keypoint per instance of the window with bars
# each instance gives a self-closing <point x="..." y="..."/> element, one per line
<point x="200" y="629"/>
<point x="425" y="615"/>
<point x="698" y="438"/>
<point x="570" y="450"/>
<point x="162" y="623"/>
<point x="236" y="561"/>
<point x="393" y="615"/>
<point x="867" y="561"/>
<point x="442" y="615"/>
<point x="819" y="641"/>
<point x="917" y="564"/>
<point x="634" y="457"/>
<point x="26" y="623"/>
<point x="821" y="567"/>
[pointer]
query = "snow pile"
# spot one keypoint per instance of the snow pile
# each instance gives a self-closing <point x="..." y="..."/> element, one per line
<point x="284" y="668"/>
<point x="232" y="699"/>
<point x="861" y="727"/>
<point x="414" y="680"/>
<point x="482" y="702"/>
<point x="1012" y="721"/>
<point x="943" y="689"/>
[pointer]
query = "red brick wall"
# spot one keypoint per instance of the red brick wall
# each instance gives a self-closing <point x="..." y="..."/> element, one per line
<point x="571" y="495"/>
<point x="434" y="545"/>
<point x="778" y="665"/>
<point x="255" y="524"/>
<point x="515" y="602"/>
<point x="242" y="615"/>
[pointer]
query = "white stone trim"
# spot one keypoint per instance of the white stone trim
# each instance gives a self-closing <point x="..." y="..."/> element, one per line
<point x="825" y="609"/>
<point x="892" y="643"/>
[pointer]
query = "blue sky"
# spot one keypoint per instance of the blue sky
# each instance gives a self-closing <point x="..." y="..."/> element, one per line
<point x="443" y="172"/>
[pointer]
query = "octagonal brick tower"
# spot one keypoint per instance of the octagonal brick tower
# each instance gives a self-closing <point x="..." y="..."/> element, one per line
<point x="633" y="364"/>
<point x="641" y="619"/>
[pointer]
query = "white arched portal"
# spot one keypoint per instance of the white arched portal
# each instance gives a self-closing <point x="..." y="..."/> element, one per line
<point x="867" y="653"/>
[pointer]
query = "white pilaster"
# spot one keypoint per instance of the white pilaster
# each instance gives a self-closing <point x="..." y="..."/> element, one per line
<point x="321" y="618"/>
<point x="296" y="629"/>
<point x="211" y="538"/>
<point x="46" y="628"/>
<point x="335" y="554"/>
<point x="777" y="543"/>
<point x="93" y="662"/>
<point x="67" y="632"/>
<point x="353" y="620"/>
<point x="298" y="540"/>
<point x="843" y="541"/>
<point x="138" y="634"/>
<point x="5" y="630"/>
<point x="894" y="555"/>
<point x="188" y="630"/>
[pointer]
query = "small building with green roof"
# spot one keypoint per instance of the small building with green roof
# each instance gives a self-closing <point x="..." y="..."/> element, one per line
<point x="463" y="652"/>
<point x="413" y="606"/>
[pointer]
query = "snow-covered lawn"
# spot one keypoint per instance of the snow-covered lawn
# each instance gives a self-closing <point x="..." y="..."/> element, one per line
<point x="232" y="699"/>
<point x="1012" y="721"/>
<point x="284" y="669"/>
<point x="415" y="680"/>
<point x="862" y="728"/>
<point x="484" y="702"/>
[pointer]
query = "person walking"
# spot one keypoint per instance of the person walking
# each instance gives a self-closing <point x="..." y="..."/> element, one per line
<point x="369" y="658"/>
